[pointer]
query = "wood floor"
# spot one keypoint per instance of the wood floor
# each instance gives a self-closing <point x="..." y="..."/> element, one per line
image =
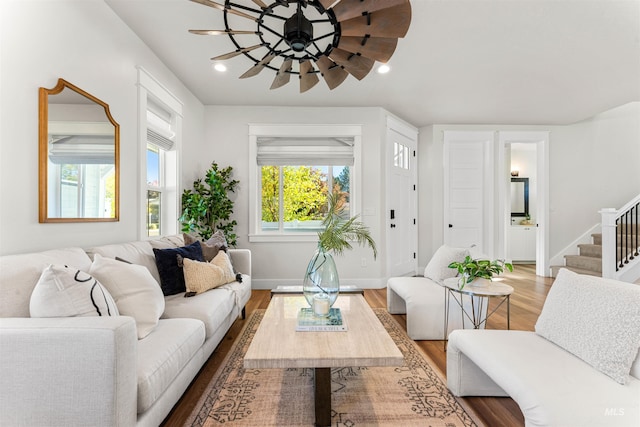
<point x="526" y="304"/>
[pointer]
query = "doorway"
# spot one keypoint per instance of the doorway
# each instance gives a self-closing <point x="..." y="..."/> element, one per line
<point x="402" y="199"/>
<point x="523" y="236"/>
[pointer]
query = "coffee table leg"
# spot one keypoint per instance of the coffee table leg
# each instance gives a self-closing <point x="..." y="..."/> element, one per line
<point x="322" y="395"/>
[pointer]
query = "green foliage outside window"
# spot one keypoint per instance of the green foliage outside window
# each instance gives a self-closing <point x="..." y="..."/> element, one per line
<point x="305" y="192"/>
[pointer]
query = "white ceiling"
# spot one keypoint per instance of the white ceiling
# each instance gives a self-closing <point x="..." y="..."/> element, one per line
<point x="462" y="61"/>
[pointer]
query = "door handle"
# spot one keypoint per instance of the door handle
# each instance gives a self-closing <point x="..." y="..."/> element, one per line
<point x="450" y="225"/>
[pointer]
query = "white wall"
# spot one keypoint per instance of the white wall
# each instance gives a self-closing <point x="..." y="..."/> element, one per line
<point x="85" y="43"/>
<point x="592" y="164"/>
<point x="227" y="141"/>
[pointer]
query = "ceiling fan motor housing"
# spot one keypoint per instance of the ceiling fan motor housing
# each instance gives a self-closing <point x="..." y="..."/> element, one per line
<point x="298" y="32"/>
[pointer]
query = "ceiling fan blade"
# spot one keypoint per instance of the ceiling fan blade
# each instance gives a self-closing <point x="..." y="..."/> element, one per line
<point x="235" y="53"/>
<point x="282" y="76"/>
<point x="357" y="66"/>
<point x="253" y="71"/>
<point x="379" y="48"/>
<point x="220" y="32"/>
<point x="390" y="22"/>
<point x="223" y="8"/>
<point x="308" y="78"/>
<point x="260" y="3"/>
<point x="328" y="3"/>
<point x="348" y="9"/>
<point x="333" y="74"/>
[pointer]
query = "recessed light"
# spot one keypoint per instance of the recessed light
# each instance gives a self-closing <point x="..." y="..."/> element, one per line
<point x="220" y="67"/>
<point x="384" y="69"/>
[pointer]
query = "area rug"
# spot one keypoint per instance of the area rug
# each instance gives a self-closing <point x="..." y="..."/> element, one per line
<point x="411" y="395"/>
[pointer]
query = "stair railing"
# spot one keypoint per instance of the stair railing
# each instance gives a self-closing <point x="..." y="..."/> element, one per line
<point x="620" y="240"/>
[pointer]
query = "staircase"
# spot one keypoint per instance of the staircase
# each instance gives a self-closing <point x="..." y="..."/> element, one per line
<point x="614" y="253"/>
<point x="588" y="262"/>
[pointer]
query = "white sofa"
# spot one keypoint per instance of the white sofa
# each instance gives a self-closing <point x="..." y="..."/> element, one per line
<point x="94" y="371"/>
<point x="580" y="368"/>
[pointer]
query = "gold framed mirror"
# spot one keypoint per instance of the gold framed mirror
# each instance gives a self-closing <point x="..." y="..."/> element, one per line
<point x="79" y="157"/>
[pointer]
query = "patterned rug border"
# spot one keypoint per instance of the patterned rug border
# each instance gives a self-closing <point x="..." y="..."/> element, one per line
<point x="205" y="403"/>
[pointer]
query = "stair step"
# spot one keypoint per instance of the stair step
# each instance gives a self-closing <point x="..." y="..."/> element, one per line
<point x="584" y="262"/>
<point x="591" y="250"/>
<point x="556" y="268"/>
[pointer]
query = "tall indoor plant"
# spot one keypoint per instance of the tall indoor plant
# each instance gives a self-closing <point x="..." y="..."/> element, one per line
<point x="321" y="281"/>
<point x="208" y="207"/>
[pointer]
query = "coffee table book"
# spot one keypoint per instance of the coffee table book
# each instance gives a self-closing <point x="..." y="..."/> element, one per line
<point x="309" y="322"/>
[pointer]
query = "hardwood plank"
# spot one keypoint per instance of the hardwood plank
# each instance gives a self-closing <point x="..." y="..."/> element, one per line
<point x="526" y="305"/>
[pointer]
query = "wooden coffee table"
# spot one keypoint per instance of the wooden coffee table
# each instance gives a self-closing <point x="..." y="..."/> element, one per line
<point x="277" y="345"/>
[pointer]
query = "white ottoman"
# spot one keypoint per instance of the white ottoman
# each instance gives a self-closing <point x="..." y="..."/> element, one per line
<point x="422" y="300"/>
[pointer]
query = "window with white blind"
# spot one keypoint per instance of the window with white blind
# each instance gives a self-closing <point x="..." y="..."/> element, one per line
<point x="162" y="119"/>
<point x="293" y="175"/>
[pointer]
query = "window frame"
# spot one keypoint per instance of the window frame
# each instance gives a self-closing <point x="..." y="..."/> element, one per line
<point x="257" y="131"/>
<point x="150" y="90"/>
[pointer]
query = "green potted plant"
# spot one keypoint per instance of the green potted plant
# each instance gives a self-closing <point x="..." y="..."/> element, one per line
<point x="471" y="269"/>
<point x="208" y="208"/>
<point x="321" y="281"/>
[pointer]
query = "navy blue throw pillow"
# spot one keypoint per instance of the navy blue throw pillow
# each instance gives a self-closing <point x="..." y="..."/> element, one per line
<point x="169" y="263"/>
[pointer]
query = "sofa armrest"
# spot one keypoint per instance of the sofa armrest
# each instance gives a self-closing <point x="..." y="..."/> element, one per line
<point x="241" y="260"/>
<point x="68" y="371"/>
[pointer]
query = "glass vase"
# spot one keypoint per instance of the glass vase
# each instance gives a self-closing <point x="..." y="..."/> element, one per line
<point x="321" y="281"/>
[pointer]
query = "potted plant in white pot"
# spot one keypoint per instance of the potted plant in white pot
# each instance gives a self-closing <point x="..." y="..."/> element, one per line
<point x="321" y="283"/>
<point x="471" y="269"/>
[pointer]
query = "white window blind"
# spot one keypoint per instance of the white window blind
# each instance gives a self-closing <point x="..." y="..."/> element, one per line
<point x="159" y="126"/>
<point x="305" y="151"/>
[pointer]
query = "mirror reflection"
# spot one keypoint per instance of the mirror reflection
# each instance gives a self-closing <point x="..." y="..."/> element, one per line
<point x="79" y="147"/>
<point x="519" y="196"/>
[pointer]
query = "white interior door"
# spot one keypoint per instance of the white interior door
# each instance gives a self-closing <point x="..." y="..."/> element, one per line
<point x="468" y="190"/>
<point x="402" y="228"/>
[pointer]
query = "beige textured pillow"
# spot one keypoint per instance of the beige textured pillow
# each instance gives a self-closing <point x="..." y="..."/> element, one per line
<point x="201" y="276"/>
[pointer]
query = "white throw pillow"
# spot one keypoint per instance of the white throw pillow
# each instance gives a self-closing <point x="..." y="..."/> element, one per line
<point x="438" y="268"/>
<point x="136" y="292"/>
<point x="596" y="319"/>
<point x="65" y="291"/>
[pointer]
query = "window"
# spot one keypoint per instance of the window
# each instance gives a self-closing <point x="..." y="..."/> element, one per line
<point x="161" y="115"/>
<point x="294" y="198"/>
<point x="293" y="176"/>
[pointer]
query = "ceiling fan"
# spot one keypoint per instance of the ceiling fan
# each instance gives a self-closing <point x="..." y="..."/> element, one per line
<point x="333" y="38"/>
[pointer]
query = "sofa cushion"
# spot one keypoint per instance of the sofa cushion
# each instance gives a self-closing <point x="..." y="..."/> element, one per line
<point x="20" y="273"/>
<point x="140" y="253"/>
<point x="163" y="354"/>
<point x="596" y="319"/>
<point x="551" y="386"/>
<point x="201" y="276"/>
<point x="438" y="268"/>
<point x="134" y="289"/>
<point x="210" y="307"/>
<point x="68" y="292"/>
<point x="166" y="242"/>
<point x="170" y="269"/>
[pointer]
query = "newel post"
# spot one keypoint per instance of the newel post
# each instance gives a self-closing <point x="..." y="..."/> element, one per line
<point x="609" y="250"/>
